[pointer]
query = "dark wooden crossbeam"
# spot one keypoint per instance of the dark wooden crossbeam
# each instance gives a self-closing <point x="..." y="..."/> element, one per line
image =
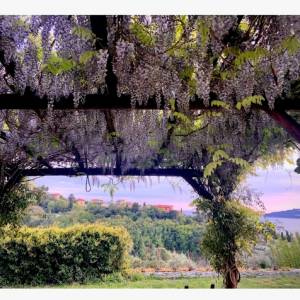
<point x="175" y="172"/>
<point x="187" y="174"/>
<point x="101" y="102"/>
<point x="107" y="102"/>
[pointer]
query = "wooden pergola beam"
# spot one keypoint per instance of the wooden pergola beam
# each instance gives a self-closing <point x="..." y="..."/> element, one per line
<point x="174" y="172"/>
<point x="30" y="101"/>
<point x="187" y="174"/>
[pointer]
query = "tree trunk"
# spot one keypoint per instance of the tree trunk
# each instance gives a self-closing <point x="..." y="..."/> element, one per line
<point x="232" y="275"/>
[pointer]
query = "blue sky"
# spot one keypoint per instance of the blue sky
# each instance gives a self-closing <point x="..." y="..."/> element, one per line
<point x="280" y="188"/>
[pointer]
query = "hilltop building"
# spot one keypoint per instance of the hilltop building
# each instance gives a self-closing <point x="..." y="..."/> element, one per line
<point x="56" y="196"/>
<point x="164" y="207"/>
<point x="80" y="202"/>
<point x="97" y="201"/>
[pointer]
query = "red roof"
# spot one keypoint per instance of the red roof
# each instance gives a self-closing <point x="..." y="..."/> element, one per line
<point x="80" y="200"/>
<point x="97" y="201"/>
<point x="164" y="207"/>
<point x="56" y="195"/>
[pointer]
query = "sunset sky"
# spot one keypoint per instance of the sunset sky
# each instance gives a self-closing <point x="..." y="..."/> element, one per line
<point x="280" y="188"/>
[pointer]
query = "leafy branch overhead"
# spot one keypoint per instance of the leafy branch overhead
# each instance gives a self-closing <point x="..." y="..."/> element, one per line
<point x="219" y="157"/>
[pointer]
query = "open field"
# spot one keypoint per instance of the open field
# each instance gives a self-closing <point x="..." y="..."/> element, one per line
<point x="155" y="282"/>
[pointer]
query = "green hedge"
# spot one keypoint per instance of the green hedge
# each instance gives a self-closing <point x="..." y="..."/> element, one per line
<point x="54" y="255"/>
<point x="286" y="254"/>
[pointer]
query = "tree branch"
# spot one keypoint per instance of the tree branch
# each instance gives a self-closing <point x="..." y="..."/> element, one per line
<point x="286" y="121"/>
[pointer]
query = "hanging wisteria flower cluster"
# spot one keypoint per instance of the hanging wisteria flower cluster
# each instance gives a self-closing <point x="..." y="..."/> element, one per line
<point x="178" y="57"/>
<point x="227" y="61"/>
<point x="52" y="55"/>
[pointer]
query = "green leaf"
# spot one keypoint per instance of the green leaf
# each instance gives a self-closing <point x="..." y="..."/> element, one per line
<point x="5" y="126"/>
<point x="142" y="33"/>
<point x="219" y="157"/>
<point x="239" y="161"/>
<point x="114" y="134"/>
<point x="172" y="103"/>
<point x="227" y="74"/>
<point x="21" y="22"/>
<point x="153" y="143"/>
<point x="83" y="33"/>
<point x="204" y="32"/>
<point x="179" y="29"/>
<point x="211" y="167"/>
<point x="86" y="56"/>
<point x="220" y="103"/>
<point x="198" y="123"/>
<point x="291" y="44"/>
<point x="182" y="117"/>
<point x="55" y="142"/>
<point x="252" y="56"/>
<point x="220" y="154"/>
<point x="248" y="101"/>
<point x="36" y="40"/>
<point x="244" y="25"/>
<point x="58" y="65"/>
<point x="186" y="73"/>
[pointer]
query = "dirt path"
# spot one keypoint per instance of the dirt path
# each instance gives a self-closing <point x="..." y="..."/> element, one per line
<point x="259" y="273"/>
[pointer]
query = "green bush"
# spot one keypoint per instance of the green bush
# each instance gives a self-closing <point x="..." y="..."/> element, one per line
<point x="158" y="258"/>
<point x="54" y="255"/>
<point x="181" y="261"/>
<point x="260" y="258"/>
<point x="287" y="254"/>
<point x="13" y="204"/>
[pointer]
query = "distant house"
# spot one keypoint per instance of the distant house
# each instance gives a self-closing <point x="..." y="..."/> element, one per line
<point x="164" y="207"/>
<point x="80" y="202"/>
<point x="129" y="203"/>
<point x="97" y="201"/>
<point x="123" y="203"/>
<point x="56" y="196"/>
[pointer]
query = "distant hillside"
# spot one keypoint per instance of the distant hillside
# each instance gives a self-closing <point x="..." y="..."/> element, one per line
<point x="291" y="214"/>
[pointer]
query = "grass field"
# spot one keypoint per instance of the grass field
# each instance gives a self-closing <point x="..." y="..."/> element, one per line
<point x="152" y="282"/>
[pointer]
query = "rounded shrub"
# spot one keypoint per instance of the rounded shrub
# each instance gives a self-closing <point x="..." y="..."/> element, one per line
<point x="55" y="255"/>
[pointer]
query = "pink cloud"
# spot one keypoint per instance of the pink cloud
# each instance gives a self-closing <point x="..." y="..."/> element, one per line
<point x="281" y="201"/>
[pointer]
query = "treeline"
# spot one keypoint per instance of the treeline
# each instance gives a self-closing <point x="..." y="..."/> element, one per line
<point x="169" y="234"/>
<point x="150" y="228"/>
